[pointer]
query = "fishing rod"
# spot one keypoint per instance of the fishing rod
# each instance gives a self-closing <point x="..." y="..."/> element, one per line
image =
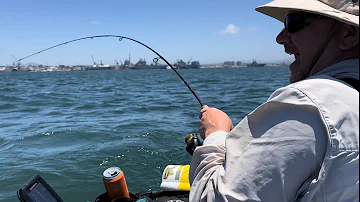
<point x="155" y="60"/>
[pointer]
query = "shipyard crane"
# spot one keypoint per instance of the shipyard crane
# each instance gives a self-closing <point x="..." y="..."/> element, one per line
<point x="15" y="61"/>
<point x="117" y="64"/>
<point x="93" y="60"/>
<point x="189" y="60"/>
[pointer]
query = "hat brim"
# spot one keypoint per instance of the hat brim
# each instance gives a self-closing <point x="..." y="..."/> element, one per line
<point x="279" y="9"/>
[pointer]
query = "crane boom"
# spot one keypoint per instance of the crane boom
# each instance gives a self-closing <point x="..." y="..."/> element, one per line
<point x="190" y="60"/>
<point x="93" y="60"/>
<point x="15" y="61"/>
<point x="14" y="58"/>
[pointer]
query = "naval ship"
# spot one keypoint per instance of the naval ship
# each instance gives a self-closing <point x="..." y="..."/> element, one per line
<point x="100" y="66"/>
<point x="183" y="65"/>
<point x="255" y="64"/>
<point x="141" y="64"/>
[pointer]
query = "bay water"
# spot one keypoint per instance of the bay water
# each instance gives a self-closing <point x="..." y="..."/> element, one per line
<point x="70" y="126"/>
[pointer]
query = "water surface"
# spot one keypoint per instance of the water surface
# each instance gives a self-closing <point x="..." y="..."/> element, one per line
<point x="70" y="126"/>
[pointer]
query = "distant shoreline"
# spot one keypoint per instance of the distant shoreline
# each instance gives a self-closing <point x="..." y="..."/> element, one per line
<point x="63" y="68"/>
<point x="82" y="68"/>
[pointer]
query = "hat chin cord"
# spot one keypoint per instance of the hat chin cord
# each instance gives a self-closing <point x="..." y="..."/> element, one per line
<point x="324" y="45"/>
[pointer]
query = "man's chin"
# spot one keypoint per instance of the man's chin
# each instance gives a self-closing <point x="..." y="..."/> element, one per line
<point x="294" y="67"/>
<point x="297" y="71"/>
<point x="293" y="79"/>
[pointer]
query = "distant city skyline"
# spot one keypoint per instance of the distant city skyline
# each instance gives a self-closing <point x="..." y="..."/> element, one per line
<point x="288" y="61"/>
<point x="211" y="32"/>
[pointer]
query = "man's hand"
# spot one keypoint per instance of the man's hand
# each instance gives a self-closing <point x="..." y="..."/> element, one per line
<point x="212" y="119"/>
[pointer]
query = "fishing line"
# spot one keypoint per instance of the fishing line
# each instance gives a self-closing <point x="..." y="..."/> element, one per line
<point x="155" y="60"/>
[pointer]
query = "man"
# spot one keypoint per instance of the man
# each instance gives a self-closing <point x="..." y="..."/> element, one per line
<point x="303" y="143"/>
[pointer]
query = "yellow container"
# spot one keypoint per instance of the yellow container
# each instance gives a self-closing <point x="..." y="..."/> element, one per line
<point x="176" y="178"/>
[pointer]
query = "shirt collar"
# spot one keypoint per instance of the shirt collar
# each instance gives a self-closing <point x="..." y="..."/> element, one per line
<point x="343" y="69"/>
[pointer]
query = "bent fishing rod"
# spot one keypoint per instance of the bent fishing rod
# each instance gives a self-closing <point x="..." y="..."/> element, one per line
<point x="155" y="60"/>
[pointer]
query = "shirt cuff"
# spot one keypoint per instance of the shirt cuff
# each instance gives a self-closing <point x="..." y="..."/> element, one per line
<point x="216" y="138"/>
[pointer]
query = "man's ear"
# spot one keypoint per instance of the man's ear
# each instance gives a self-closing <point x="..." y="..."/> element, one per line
<point x="349" y="36"/>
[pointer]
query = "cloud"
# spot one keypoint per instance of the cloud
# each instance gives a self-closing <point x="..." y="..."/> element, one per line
<point x="253" y="28"/>
<point x="94" y="22"/>
<point x="230" y="29"/>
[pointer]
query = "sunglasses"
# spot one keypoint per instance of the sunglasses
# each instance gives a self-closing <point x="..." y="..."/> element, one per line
<point x="295" y="22"/>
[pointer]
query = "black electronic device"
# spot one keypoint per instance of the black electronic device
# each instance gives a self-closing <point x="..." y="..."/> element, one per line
<point x="37" y="190"/>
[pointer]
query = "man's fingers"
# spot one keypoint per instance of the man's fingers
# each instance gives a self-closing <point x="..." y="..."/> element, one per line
<point x="203" y="110"/>
<point x="201" y="113"/>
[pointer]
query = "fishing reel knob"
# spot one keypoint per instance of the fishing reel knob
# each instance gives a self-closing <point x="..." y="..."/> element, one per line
<point x="192" y="141"/>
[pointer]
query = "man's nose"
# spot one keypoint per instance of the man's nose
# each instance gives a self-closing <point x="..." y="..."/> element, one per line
<point x="283" y="37"/>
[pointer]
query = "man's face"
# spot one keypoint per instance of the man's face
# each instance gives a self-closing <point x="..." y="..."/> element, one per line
<point x="304" y="43"/>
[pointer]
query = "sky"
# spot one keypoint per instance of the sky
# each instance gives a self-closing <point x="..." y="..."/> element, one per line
<point x="210" y="31"/>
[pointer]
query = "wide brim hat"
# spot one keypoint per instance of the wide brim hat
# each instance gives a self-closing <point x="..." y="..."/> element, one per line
<point x="346" y="11"/>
